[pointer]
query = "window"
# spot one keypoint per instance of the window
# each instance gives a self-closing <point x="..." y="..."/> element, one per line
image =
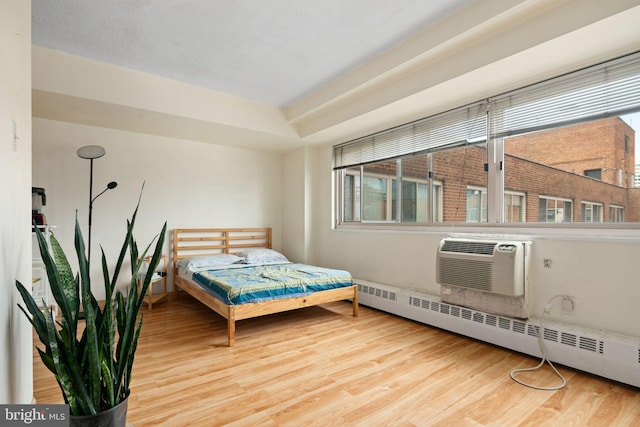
<point x="514" y="207"/>
<point x="594" y="173"/>
<point x="591" y="212"/>
<point x="616" y="213"/>
<point x="626" y="143"/>
<point x="518" y="157"/>
<point x="379" y="191"/>
<point x="555" y="210"/>
<point x="476" y="205"/>
<point x="415" y="184"/>
<point x="352" y="195"/>
<point x="371" y="193"/>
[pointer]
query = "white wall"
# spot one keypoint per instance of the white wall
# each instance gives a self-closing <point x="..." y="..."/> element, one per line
<point x="16" y="373"/>
<point x="187" y="184"/>
<point x="600" y="272"/>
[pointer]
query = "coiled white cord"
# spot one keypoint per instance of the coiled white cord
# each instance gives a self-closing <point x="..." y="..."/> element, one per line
<point x="547" y="308"/>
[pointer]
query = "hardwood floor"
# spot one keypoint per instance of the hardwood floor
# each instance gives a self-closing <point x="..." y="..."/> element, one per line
<point x="322" y="367"/>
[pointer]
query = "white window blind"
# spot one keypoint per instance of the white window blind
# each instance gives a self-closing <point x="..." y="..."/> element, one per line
<point x="597" y="92"/>
<point x="454" y="127"/>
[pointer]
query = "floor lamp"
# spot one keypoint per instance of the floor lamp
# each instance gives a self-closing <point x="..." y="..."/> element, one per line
<point x="93" y="152"/>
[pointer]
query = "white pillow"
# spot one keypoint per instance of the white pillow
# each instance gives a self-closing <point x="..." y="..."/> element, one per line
<point x="261" y="256"/>
<point x="216" y="260"/>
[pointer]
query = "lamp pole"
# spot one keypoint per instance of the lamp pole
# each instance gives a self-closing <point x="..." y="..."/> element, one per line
<point x="93" y="152"/>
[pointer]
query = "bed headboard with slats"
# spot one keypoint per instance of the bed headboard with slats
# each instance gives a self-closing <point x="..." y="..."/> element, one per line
<point x="188" y="242"/>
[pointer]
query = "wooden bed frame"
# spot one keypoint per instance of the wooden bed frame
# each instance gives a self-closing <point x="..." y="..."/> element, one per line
<point x="188" y="242"/>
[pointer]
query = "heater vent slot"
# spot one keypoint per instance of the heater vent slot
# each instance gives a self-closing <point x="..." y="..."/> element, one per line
<point x="455" y="311"/>
<point x="478" y="317"/>
<point x="568" y="339"/>
<point x="491" y="320"/>
<point x="364" y="289"/>
<point x="504" y="323"/>
<point x="589" y="344"/>
<point x="533" y="330"/>
<point x="519" y="327"/>
<point x="550" y="335"/>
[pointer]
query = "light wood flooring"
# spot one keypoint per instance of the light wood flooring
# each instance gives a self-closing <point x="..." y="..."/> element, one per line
<point x="321" y="367"/>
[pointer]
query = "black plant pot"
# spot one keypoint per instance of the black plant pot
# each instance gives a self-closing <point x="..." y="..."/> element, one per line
<point x="114" y="417"/>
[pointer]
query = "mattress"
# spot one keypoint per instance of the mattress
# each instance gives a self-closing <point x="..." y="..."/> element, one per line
<point x="243" y="284"/>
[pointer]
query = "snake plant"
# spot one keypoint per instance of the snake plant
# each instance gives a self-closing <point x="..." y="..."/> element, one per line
<point x="91" y="359"/>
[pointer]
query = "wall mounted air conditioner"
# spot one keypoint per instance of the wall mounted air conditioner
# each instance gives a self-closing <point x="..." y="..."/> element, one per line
<point x="493" y="266"/>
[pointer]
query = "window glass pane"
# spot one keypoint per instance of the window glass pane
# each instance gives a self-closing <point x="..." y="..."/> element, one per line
<point x="378" y="191"/>
<point x="616" y="214"/>
<point x="436" y="202"/>
<point x="592" y="161"/>
<point x="409" y="201"/>
<point x="352" y="194"/>
<point x="415" y="176"/>
<point x="513" y="207"/>
<point x="476" y="205"/>
<point x="458" y="169"/>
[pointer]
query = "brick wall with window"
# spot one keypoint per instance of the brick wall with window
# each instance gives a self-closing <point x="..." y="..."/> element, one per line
<point x="458" y="169"/>
<point x="606" y="145"/>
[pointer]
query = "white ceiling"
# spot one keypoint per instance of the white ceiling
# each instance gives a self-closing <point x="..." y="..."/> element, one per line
<point x="275" y="51"/>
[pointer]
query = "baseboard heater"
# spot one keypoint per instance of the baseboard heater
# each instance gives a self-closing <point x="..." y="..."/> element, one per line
<point x="608" y="355"/>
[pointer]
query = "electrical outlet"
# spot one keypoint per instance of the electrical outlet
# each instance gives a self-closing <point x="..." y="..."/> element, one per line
<point x="568" y="304"/>
<point x="547" y="262"/>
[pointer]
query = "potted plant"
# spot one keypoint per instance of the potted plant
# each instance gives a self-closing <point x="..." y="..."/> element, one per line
<point x="92" y="364"/>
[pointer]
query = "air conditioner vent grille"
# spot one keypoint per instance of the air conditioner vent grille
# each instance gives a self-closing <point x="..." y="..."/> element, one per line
<point x="479" y="248"/>
<point x="466" y="272"/>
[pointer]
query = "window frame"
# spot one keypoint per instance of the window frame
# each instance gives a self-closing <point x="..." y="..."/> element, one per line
<point x="495" y="192"/>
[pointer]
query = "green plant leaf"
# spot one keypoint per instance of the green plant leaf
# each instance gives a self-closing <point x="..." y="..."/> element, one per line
<point x="67" y="280"/>
<point x="62" y="371"/>
<point x="55" y="280"/>
<point x="37" y="318"/>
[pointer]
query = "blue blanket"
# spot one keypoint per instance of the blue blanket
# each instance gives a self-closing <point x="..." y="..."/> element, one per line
<point x="256" y="283"/>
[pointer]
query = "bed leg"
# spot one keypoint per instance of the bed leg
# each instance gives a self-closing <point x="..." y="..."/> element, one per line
<point x="355" y="301"/>
<point x="231" y="326"/>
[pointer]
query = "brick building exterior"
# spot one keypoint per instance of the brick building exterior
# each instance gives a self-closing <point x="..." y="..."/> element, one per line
<point x="606" y="145"/>
<point x="585" y="166"/>
<point x="552" y="164"/>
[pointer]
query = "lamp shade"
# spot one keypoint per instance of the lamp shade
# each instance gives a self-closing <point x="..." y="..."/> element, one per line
<point x="90" y="152"/>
